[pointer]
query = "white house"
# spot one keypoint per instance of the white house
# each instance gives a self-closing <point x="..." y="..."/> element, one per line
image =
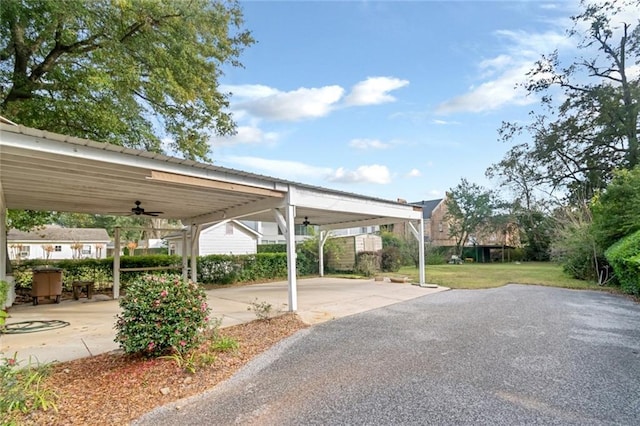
<point x="55" y="242"/>
<point x="271" y="234"/>
<point x="226" y="237"/>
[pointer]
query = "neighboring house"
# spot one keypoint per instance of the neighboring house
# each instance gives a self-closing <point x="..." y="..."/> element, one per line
<point x="271" y="234"/>
<point x="436" y="231"/>
<point x="54" y="242"/>
<point x="349" y="247"/>
<point x="226" y="237"/>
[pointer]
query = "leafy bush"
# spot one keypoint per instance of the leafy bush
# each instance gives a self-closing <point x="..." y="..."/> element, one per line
<point x="368" y="263"/>
<point x="575" y="246"/>
<point x="227" y="269"/>
<point x="272" y="248"/>
<point x="390" y="259"/>
<point x="624" y="257"/>
<point x="22" y="388"/>
<point x="437" y="255"/>
<point x="160" y="314"/>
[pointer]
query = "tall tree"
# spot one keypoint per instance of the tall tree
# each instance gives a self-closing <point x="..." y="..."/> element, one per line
<point x="469" y="208"/>
<point x="129" y="72"/>
<point x="616" y="211"/>
<point x="577" y="143"/>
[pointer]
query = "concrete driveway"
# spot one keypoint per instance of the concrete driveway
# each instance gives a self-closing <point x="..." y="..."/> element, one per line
<point x="507" y="356"/>
<point x="90" y="330"/>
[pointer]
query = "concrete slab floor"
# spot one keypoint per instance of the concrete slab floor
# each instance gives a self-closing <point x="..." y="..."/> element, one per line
<point x="91" y="322"/>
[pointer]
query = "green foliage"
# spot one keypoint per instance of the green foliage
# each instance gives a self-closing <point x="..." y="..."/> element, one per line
<point x="368" y="263"/>
<point x="263" y="310"/>
<point x="437" y="255"/>
<point x="4" y="295"/>
<point x="578" y="141"/>
<point x="615" y="211"/>
<point x="469" y="206"/>
<point x="390" y="259"/>
<point x="575" y="247"/>
<point x="131" y="73"/>
<point x="407" y="247"/>
<point x="227" y="269"/>
<point x="624" y="257"/>
<point x="23" y="388"/>
<point x="27" y="220"/>
<point x="224" y="344"/>
<point x="272" y="248"/>
<point x="161" y="313"/>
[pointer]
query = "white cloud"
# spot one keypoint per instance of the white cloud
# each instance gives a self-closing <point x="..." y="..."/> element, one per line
<point x="281" y="168"/>
<point x="249" y="91"/>
<point x="504" y="73"/>
<point x="374" y="90"/>
<point x="374" y="173"/>
<point x="295" y="170"/>
<point x="296" y="105"/>
<point x="445" y="122"/>
<point x="247" y="135"/>
<point x="364" y="144"/>
<point x="491" y="95"/>
<point x="414" y="173"/>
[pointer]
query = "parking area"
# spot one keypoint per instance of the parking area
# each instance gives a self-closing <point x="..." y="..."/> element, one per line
<point x="90" y="330"/>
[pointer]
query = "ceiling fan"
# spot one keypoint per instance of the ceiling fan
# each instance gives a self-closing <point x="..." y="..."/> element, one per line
<point x="137" y="210"/>
<point x="306" y="221"/>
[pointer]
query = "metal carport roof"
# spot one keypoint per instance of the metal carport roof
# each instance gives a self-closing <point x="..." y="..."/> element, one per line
<point x="47" y="171"/>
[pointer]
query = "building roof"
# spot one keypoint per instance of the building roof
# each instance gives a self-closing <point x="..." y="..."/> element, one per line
<point x="427" y="207"/>
<point x="241" y="226"/>
<point x="55" y="233"/>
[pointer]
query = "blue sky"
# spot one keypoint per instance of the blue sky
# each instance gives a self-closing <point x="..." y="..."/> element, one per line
<point x="387" y="99"/>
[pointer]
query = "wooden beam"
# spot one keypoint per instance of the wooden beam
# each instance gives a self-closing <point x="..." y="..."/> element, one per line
<point x="214" y="184"/>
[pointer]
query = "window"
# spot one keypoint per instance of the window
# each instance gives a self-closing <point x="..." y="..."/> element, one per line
<point x="302" y="230"/>
<point x="86" y="249"/>
<point x="229" y="229"/>
<point x="440" y="227"/>
<point x="57" y="248"/>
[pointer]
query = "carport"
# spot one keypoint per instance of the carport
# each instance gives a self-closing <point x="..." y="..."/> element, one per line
<point x="46" y="171"/>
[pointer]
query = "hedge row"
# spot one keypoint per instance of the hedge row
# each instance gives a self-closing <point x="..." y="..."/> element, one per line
<point x="212" y="269"/>
<point x="624" y="258"/>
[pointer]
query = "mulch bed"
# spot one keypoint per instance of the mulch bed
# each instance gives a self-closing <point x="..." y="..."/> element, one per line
<point x="114" y="388"/>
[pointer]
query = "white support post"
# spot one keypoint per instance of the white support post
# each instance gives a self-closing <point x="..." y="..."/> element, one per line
<point x="195" y="244"/>
<point x="291" y="258"/>
<point x="185" y="259"/>
<point x="3" y="240"/>
<point x="4" y="254"/>
<point x="419" y="235"/>
<point x="116" y="263"/>
<point x="324" y="236"/>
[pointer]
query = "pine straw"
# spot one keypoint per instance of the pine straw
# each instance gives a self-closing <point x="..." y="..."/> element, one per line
<point x="114" y="389"/>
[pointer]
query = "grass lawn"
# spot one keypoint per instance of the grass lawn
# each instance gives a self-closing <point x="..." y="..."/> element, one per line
<point x="487" y="275"/>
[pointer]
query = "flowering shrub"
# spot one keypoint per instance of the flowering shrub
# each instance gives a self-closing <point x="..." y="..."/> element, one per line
<point x="160" y="314"/>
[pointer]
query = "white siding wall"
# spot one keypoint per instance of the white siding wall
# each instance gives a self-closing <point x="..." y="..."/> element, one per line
<point x="270" y="235"/>
<point x="216" y="240"/>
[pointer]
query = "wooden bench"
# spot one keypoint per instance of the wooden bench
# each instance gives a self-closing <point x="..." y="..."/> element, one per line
<point x="79" y="286"/>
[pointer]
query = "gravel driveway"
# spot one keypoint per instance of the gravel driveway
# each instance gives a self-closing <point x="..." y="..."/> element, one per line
<point x="511" y="355"/>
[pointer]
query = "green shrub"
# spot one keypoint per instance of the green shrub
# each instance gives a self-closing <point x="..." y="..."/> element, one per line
<point x="23" y="389"/>
<point x="624" y="257"/>
<point x="368" y="263"/>
<point x="160" y="314"/>
<point x="437" y="255"/>
<point x="272" y="248"/>
<point x="390" y="259"/>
